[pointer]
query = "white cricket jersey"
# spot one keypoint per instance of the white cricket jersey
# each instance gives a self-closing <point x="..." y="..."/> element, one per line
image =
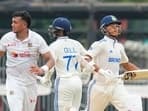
<point x="108" y="54"/>
<point x="65" y="52"/>
<point x="22" y="54"/>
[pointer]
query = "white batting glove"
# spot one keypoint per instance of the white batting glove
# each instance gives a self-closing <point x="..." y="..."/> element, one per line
<point x="46" y="79"/>
<point x="43" y="82"/>
<point x="107" y="74"/>
<point x="85" y="65"/>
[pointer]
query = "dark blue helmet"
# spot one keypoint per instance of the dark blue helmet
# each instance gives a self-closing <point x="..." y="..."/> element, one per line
<point x="109" y="19"/>
<point x="61" y="23"/>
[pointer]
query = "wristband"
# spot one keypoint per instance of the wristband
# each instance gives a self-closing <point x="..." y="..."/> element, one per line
<point x="101" y="71"/>
<point x="45" y="68"/>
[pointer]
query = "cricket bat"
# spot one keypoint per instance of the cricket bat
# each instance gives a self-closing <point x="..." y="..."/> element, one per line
<point x="135" y="74"/>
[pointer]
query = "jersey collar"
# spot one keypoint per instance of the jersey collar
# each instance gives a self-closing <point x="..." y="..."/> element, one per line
<point x="25" y="40"/>
<point x="63" y="37"/>
<point x="109" y="39"/>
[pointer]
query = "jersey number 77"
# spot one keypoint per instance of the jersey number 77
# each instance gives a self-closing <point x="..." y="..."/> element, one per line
<point x="70" y="59"/>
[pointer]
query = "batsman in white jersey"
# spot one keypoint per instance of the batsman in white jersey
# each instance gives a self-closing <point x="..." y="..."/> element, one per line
<point x="67" y="54"/>
<point x="22" y="47"/>
<point x="109" y="54"/>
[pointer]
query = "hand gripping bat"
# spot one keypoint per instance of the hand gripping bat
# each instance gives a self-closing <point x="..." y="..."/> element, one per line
<point x="134" y="75"/>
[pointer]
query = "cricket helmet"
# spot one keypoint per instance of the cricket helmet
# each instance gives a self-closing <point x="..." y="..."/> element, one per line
<point x="61" y="23"/>
<point x="109" y="19"/>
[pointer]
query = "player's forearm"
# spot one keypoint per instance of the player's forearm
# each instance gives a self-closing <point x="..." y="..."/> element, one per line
<point x="43" y="69"/>
<point x="2" y="53"/>
<point x="47" y="76"/>
<point x="130" y="66"/>
<point x="87" y="65"/>
<point x="50" y="63"/>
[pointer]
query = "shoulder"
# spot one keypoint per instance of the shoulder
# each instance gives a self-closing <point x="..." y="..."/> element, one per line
<point x="34" y="34"/>
<point x="75" y="41"/>
<point x="120" y="45"/>
<point x="67" y="41"/>
<point x="8" y="36"/>
<point x="76" y="44"/>
<point x="54" y="45"/>
<point x="99" y="43"/>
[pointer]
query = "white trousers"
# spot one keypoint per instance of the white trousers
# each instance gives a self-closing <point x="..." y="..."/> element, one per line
<point x="68" y="93"/>
<point x="134" y="102"/>
<point x="100" y="95"/>
<point x="19" y="97"/>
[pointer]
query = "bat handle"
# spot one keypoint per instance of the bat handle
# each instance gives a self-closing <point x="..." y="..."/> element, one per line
<point x="127" y="76"/>
<point x="121" y="76"/>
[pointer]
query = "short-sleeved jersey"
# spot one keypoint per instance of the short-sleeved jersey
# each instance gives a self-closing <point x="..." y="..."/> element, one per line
<point x="65" y="52"/>
<point x="108" y="54"/>
<point x="22" y="54"/>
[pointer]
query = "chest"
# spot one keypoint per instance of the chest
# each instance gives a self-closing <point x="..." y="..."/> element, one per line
<point x="113" y="51"/>
<point x="22" y="49"/>
<point x="113" y="54"/>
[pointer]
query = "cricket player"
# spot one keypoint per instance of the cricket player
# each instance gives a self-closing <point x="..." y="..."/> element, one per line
<point x="109" y="54"/>
<point x="67" y="54"/>
<point x="22" y="47"/>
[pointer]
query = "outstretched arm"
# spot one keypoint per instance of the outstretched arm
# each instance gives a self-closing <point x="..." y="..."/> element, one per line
<point x="50" y="60"/>
<point x="45" y="68"/>
<point x="87" y="65"/>
<point x="2" y="53"/>
<point x="129" y="66"/>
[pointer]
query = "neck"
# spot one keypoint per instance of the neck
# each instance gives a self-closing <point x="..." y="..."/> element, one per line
<point x="22" y="35"/>
<point x="112" y="37"/>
